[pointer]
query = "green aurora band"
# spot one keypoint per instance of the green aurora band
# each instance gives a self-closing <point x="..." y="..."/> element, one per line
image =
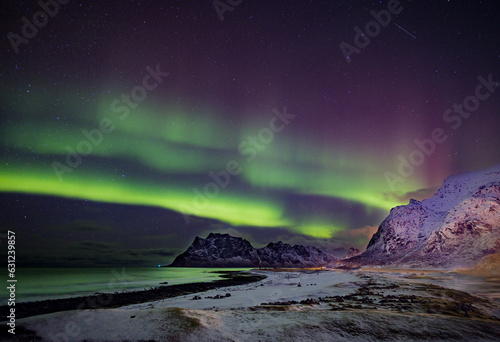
<point x="174" y="143"/>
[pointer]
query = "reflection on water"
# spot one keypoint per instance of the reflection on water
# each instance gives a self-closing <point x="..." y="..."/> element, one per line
<point x="486" y="287"/>
<point x="50" y="283"/>
<point x="481" y="286"/>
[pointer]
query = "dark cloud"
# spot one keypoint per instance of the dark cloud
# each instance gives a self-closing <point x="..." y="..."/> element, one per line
<point x="84" y="226"/>
<point x="136" y="235"/>
<point x="94" y="254"/>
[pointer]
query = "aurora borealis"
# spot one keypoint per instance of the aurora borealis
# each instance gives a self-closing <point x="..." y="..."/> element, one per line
<point x="169" y="123"/>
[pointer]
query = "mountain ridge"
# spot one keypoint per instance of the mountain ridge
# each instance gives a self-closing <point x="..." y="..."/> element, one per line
<point x="224" y="250"/>
<point x="456" y="227"/>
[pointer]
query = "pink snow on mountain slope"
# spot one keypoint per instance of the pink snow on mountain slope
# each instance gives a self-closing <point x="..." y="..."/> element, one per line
<point x="456" y="227"/>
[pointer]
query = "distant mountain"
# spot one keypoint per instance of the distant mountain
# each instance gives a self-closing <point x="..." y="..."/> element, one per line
<point x="223" y="250"/>
<point x="456" y="227"/>
<point x="352" y="252"/>
<point x="342" y="253"/>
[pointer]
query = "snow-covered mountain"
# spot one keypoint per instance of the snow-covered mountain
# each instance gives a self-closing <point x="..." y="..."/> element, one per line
<point x="456" y="227"/>
<point x="352" y="252"/>
<point x="223" y="250"/>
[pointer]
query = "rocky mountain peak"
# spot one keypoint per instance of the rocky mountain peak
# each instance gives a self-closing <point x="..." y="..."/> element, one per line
<point x="456" y="227"/>
<point x="223" y="250"/>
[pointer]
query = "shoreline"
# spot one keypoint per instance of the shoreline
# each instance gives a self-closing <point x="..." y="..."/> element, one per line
<point x="298" y="305"/>
<point x="114" y="300"/>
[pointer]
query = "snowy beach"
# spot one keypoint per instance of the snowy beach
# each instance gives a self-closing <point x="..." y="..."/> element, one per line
<point x="328" y="305"/>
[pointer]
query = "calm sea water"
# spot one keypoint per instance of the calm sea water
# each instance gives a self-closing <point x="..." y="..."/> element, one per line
<point x="50" y="283"/>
